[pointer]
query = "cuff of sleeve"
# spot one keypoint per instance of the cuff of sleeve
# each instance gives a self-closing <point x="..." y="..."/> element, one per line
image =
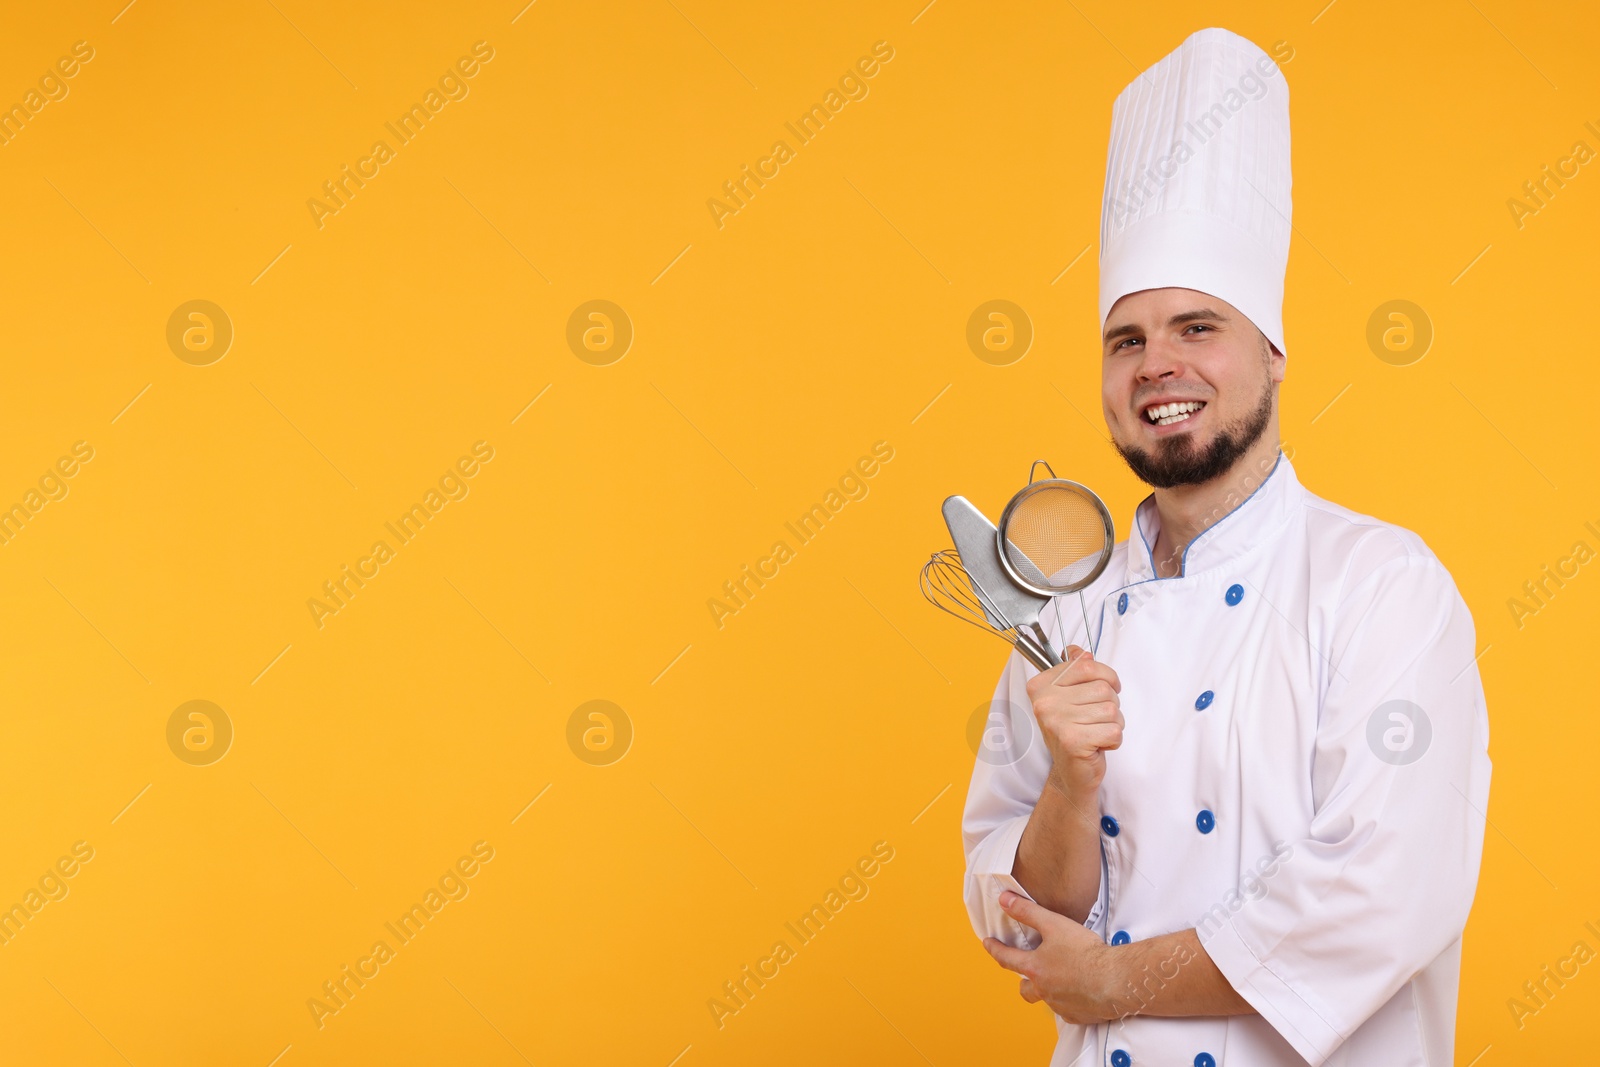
<point x="1284" y="1009"/>
<point x="997" y="853"/>
<point x="989" y="875"/>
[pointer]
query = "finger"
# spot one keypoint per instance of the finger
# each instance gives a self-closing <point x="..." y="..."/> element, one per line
<point x="1063" y="720"/>
<point x="1074" y="661"/>
<point x="1085" y="668"/>
<point x="1096" y="671"/>
<point x="1025" y="911"/>
<point x="1030" y="992"/>
<point x="1086" y="740"/>
<point x="1012" y="959"/>
<point x="1100" y="711"/>
<point x="1045" y="678"/>
<point x="1103" y="736"/>
<point x="1092" y="691"/>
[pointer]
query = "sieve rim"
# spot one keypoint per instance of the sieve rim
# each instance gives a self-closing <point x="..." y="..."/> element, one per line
<point x="1005" y="522"/>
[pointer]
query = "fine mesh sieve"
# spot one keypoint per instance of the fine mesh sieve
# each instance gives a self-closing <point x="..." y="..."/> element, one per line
<point x="1055" y="536"/>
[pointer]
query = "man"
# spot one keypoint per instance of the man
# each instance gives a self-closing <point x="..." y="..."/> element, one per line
<point x="1248" y="827"/>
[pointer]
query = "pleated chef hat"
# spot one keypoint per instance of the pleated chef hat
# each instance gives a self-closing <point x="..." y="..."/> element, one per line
<point x="1197" y="180"/>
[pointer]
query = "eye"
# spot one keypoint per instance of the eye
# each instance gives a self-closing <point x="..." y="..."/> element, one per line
<point x="1124" y="341"/>
<point x="1198" y="326"/>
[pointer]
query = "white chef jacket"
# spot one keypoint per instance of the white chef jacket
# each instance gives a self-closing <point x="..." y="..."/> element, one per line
<point x="1303" y="778"/>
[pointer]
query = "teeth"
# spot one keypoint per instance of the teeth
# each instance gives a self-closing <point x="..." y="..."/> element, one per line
<point x="1167" y="414"/>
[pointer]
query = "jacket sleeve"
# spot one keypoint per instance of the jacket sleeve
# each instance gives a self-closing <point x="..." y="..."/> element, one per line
<point x="1007" y="778"/>
<point x="1382" y="882"/>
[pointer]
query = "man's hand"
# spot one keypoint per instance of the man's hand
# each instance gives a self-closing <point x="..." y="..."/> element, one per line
<point x="1080" y="716"/>
<point x="1070" y="970"/>
<point x="1084" y="980"/>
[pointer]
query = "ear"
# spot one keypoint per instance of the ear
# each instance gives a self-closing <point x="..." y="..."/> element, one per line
<point x="1277" y="362"/>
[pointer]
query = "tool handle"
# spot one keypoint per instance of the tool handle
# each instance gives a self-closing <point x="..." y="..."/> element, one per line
<point x="1036" y="650"/>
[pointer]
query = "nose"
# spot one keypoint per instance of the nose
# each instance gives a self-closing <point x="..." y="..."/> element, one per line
<point x="1161" y="361"/>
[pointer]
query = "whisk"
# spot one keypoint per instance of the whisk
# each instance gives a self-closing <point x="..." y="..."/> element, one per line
<point x="949" y="586"/>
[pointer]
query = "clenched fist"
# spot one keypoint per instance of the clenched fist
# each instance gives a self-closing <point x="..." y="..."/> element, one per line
<point x="1080" y="716"/>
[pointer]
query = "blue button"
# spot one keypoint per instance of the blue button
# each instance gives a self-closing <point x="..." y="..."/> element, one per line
<point x="1109" y="825"/>
<point x="1204" y="1060"/>
<point x="1205" y="820"/>
<point x="1122" y="604"/>
<point x="1235" y="594"/>
<point x="1120" y="1058"/>
<point x="1203" y="701"/>
<point x="1120" y="938"/>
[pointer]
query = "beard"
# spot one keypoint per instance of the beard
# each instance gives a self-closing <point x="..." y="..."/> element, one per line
<point x="1178" y="461"/>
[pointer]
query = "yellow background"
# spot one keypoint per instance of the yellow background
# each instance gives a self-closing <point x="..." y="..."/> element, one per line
<point x="768" y="355"/>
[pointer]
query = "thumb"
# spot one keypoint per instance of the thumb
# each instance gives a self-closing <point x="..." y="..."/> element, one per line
<point x="1027" y="912"/>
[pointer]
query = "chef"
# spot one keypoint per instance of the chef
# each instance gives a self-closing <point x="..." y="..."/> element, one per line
<point x="1245" y="829"/>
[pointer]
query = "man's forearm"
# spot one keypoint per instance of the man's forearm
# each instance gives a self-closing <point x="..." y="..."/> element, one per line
<point x="1058" y="858"/>
<point x="1169" y="976"/>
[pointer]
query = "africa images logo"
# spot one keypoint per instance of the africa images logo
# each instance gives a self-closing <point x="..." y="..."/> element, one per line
<point x="452" y="485"/>
<point x="452" y="85"/>
<point x="852" y="86"/>
<point x="339" y="991"/>
<point x="853" y="886"/>
<point x="1131" y="195"/>
<point x="852" y="486"/>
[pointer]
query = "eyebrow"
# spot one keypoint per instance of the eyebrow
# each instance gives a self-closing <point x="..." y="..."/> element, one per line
<point x="1176" y="320"/>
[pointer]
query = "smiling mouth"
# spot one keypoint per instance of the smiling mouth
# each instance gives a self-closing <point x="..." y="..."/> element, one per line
<point x="1172" y="414"/>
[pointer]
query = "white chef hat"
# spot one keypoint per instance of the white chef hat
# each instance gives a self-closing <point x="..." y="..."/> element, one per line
<point x="1197" y="180"/>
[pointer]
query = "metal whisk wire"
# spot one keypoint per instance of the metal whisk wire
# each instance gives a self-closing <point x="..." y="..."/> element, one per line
<point x="948" y="586"/>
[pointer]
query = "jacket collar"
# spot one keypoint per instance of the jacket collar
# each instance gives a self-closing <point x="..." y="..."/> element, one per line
<point x="1267" y="505"/>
